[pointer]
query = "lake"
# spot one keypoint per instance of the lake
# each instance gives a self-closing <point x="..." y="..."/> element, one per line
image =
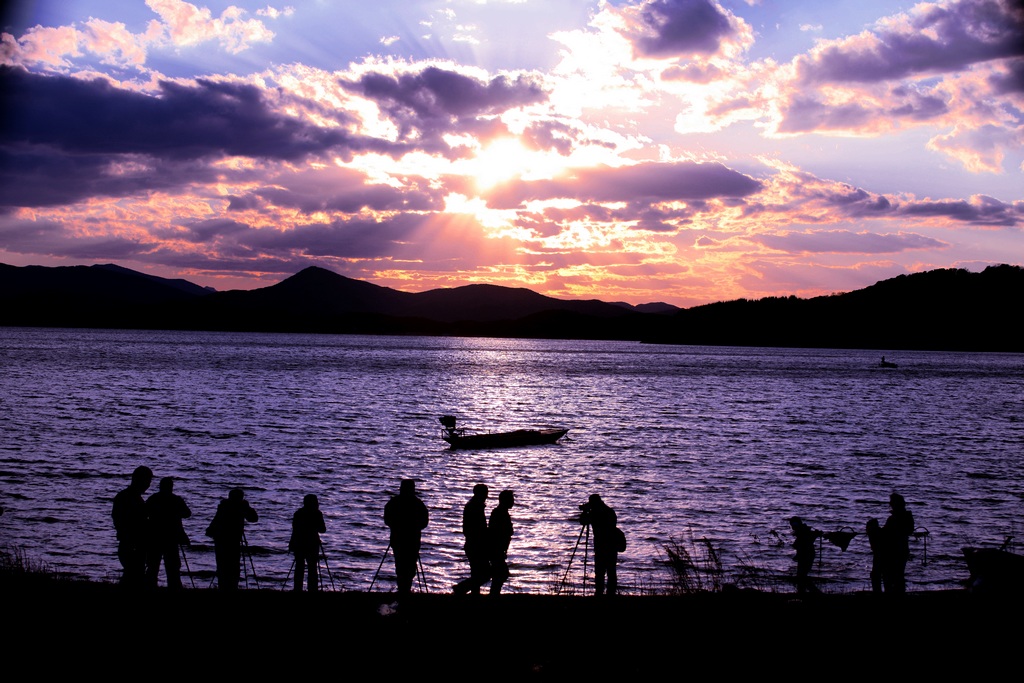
<point x="694" y="447"/>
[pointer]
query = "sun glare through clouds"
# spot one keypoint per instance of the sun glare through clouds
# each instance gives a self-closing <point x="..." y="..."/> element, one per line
<point x="679" y="150"/>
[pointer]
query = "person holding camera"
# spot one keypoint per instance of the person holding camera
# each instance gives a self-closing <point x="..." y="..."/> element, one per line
<point x="604" y="522"/>
<point x="166" y="510"/>
<point x="307" y="525"/>
<point x="228" y="533"/>
<point x="406" y="516"/>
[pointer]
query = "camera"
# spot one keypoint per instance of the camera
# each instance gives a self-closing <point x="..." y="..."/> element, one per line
<point x="585" y="507"/>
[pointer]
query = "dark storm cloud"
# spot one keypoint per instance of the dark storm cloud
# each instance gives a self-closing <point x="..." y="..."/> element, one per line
<point x="184" y="122"/>
<point x="342" y="239"/>
<point x="42" y="176"/>
<point x="353" y="200"/>
<point x="649" y="182"/>
<point x="681" y="27"/>
<point x="67" y="139"/>
<point x="940" y="39"/>
<point x="1011" y="82"/>
<point x="981" y="211"/>
<point x="202" y="232"/>
<point x="846" y="242"/>
<point x="437" y="101"/>
<point x="53" y="238"/>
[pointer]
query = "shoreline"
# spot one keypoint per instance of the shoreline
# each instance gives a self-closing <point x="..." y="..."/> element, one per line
<point x="512" y="635"/>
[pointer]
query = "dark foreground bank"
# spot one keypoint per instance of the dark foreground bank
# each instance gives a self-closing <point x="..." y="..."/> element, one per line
<point x="77" y="628"/>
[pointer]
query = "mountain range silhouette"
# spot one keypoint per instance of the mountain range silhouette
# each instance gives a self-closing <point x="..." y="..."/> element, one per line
<point x="943" y="309"/>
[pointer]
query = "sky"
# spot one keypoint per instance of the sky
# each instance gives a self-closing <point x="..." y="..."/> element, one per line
<point x="682" y="151"/>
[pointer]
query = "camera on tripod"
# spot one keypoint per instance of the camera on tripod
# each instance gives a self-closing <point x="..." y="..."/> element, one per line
<point x="586" y="507"/>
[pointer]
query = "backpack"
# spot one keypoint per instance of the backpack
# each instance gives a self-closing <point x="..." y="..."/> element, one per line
<point x="619" y="539"/>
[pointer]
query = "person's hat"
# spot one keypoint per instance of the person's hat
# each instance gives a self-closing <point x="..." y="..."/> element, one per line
<point x="594" y="498"/>
<point x="407" y="486"/>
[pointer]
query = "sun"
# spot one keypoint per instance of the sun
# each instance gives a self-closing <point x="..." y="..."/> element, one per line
<point x="504" y="159"/>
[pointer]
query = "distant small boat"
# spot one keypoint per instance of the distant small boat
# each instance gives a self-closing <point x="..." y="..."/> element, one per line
<point x="459" y="439"/>
<point x="886" y="364"/>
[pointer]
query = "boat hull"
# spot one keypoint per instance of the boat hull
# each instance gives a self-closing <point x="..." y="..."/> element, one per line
<point x="994" y="571"/>
<point x="514" y="439"/>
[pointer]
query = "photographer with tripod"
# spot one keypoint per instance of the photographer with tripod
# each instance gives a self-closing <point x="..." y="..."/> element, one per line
<point x="307" y="525"/>
<point x="228" y="533"/>
<point x="603" y="520"/>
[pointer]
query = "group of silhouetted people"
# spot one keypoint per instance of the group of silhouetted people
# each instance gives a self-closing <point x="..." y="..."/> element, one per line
<point x="890" y="549"/>
<point x="150" y="533"/>
<point x="486" y="543"/>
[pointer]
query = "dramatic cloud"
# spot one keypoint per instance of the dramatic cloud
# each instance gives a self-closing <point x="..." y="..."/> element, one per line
<point x="644" y="182"/>
<point x="932" y="39"/>
<point x="682" y="28"/>
<point x="678" y="150"/>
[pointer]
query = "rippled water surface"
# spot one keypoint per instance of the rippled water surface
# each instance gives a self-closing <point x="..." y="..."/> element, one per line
<point x="686" y="443"/>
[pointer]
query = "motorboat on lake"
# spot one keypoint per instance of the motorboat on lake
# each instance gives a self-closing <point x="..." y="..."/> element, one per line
<point x="994" y="570"/>
<point x="886" y="364"/>
<point x="459" y="438"/>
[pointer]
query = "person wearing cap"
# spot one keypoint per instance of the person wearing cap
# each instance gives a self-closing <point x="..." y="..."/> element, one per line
<point x="166" y="509"/>
<point x="896" y="534"/>
<point x="307" y="525"/>
<point x="406" y="516"/>
<point x="132" y="526"/>
<point x="474" y="528"/>
<point x="604" y="521"/>
<point x="227" y="531"/>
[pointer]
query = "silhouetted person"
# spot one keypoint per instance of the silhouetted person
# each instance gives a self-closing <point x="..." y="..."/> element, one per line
<point x="603" y="521"/>
<point x="896" y="539"/>
<point x="877" y="543"/>
<point x="166" y="510"/>
<point x="307" y="525"/>
<point x="131" y="524"/>
<point x="803" y="543"/>
<point x="474" y="528"/>
<point x="227" y="531"/>
<point x="407" y="517"/>
<point x="499" y="535"/>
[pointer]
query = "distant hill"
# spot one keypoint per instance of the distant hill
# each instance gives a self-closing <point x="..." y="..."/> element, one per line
<point x="941" y="309"/>
<point x="950" y="309"/>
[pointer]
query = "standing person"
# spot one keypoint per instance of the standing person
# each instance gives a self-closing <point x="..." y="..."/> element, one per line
<point x="875" y="540"/>
<point x="227" y="531"/>
<point x="803" y="544"/>
<point x="896" y="537"/>
<point x="307" y="525"/>
<point x="166" y="510"/>
<point x="499" y="535"/>
<point x="131" y="524"/>
<point x="474" y="528"/>
<point x="407" y="517"/>
<point x="604" y="522"/>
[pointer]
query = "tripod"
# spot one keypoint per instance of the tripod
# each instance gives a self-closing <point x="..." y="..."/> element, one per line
<point x="244" y="555"/>
<point x="586" y="547"/>
<point x="188" y="570"/>
<point x="320" y="577"/>
<point x="420" y="574"/>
